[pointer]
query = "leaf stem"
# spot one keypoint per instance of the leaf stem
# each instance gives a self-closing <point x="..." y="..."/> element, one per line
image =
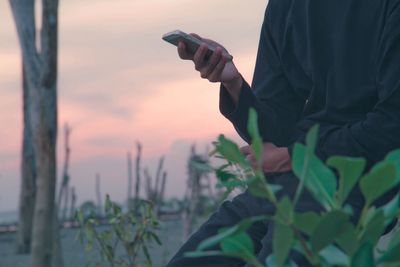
<point x="308" y="253"/>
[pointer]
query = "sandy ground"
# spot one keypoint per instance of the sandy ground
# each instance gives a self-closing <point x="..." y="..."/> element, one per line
<point x="75" y="255"/>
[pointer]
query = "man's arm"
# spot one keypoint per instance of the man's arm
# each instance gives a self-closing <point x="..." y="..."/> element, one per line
<point x="278" y="106"/>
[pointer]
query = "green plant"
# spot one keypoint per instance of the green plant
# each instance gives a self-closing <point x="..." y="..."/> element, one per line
<point x="326" y="239"/>
<point x="127" y="232"/>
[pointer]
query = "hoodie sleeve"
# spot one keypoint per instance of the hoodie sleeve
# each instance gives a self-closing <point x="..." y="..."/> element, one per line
<point x="277" y="104"/>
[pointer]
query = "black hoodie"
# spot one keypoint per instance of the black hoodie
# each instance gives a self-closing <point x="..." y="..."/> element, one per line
<point x="331" y="62"/>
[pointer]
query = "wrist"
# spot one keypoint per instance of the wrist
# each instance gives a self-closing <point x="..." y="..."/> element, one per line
<point x="235" y="84"/>
<point x="234" y="88"/>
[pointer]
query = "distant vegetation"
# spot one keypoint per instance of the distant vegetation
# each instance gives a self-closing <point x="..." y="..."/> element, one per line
<point x="128" y="231"/>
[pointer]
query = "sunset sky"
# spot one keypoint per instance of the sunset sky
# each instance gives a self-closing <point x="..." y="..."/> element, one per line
<point x="119" y="83"/>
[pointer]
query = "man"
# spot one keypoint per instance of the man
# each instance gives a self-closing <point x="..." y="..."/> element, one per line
<point x="331" y="62"/>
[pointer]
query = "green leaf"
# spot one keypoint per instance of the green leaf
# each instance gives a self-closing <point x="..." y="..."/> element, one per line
<point x="259" y="188"/>
<point x="334" y="256"/>
<point x="282" y="242"/>
<point x="231" y="152"/>
<point x="225" y="233"/>
<point x="238" y="243"/>
<point x="106" y="235"/>
<point x="146" y="252"/>
<point x="331" y="225"/>
<point x="394" y="157"/>
<point x="392" y="255"/>
<point x="312" y="137"/>
<point x="89" y="246"/>
<point x="80" y="217"/>
<point x="252" y="124"/>
<point x="348" y="240"/>
<point x="378" y="181"/>
<point x="256" y="141"/>
<point x="275" y="188"/>
<point x="374" y="228"/>
<point x="391" y="209"/>
<point x="285" y="210"/>
<point x="301" y="160"/>
<point x="364" y="257"/>
<point x="348" y="209"/>
<point x="109" y="252"/>
<point x="318" y="178"/>
<point x="350" y="170"/>
<point x="234" y="183"/>
<point x="224" y="176"/>
<point x="306" y="222"/>
<point x="90" y="232"/>
<point x="155" y="238"/>
<point x="395" y="238"/>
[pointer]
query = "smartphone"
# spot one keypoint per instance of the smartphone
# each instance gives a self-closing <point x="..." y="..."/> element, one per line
<point x="191" y="42"/>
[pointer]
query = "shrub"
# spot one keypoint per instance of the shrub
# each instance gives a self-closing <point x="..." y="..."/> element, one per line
<point x="129" y="232"/>
<point x="326" y="239"/>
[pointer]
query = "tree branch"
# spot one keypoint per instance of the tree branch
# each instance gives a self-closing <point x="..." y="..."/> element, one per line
<point x="24" y="15"/>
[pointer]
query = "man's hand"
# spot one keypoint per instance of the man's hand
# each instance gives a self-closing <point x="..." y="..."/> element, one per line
<point x="275" y="159"/>
<point x="217" y="68"/>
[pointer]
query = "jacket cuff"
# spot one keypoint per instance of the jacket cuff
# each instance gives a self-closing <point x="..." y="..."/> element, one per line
<point x="237" y="114"/>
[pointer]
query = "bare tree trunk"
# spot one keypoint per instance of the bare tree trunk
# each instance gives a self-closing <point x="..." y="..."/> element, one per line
<point x="190" y="213"/>
<point x="28" y="190"/>
<point x="129" y="196"/>
<point x="41" y="76"/>
<point x="149" y="191"/>
<point x="73" y="202"/>
<point x="66" y="204"/>
<point x="155" y="194"/>
<point x="65" y="176"/>
<point x="98" y="196"/>
<point x="162" y="189"/>
<point x="192" y="196"/>
<point x="158" y="177"/>
<point x="138" y="169"/>
<point x="161" y="192"/>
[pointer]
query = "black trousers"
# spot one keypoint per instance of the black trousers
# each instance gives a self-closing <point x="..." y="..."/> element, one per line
<point x="232" y="212"/>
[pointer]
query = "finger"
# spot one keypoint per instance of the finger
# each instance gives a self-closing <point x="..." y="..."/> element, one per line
<point x="269" y="146"/>
<point x="196" y="36"/>
<point x="205" y="40"/>
<point x="215" y="76"/>
<point x="211" y="63"/>
<point x="252" y="160"/>
<point x="227" y="56"/>
<point x="199" y="56"/>
<point x="245" y="150"/>
<point x="183" y="53"/>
